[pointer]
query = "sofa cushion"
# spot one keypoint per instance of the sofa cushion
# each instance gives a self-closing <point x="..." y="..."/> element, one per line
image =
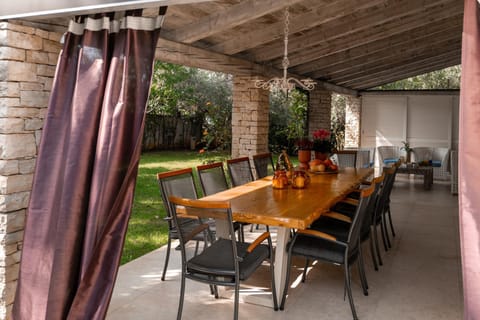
<point x="436" y="163"/>
<point x="390" y="160"/>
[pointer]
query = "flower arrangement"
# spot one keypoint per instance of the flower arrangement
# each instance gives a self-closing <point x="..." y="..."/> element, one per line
<point x="304" y="144"/>
<point x="322" y="141"/>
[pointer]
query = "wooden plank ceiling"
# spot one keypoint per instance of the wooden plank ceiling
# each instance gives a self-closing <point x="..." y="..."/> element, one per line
<point x="346" y="45"/>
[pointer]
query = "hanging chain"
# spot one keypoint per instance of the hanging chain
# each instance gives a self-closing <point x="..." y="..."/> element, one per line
<point x="286" y="84"/>
<point x="285" y="62"/>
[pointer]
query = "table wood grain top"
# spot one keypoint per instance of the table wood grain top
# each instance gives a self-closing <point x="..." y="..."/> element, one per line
<point x="258" y="202"/>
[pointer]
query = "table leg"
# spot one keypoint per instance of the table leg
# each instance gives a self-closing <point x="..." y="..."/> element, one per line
<point x="427" y="180"/>
<point x="281" y="259"/>
<point x="280" y="263"/>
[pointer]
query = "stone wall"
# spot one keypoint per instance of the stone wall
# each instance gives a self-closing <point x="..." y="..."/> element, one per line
<point x="353" y="111"/>
<point x="249" y="118"/>
<point x="319" y="110"/>
<point x="28" y="57"/>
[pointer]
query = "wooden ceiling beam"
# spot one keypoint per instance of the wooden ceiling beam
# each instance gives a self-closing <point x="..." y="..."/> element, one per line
<point x="320" y="14"/>
<point x="405" y="75"/>
<point x="421" y="47"/>
<point x="391" y="43"/>
<point x="233" y="16"/>
<point x="397" y="15"/>
<point x="427" y="54"/>
<point x="187" y="55"/>
<point x="404" y="70"/>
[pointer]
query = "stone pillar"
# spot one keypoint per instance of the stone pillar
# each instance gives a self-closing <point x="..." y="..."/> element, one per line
<point x="319" y="110"/>
<point x="28" y="57"/>
<point x="249" y="118"/>
<point x="353" y="110"/>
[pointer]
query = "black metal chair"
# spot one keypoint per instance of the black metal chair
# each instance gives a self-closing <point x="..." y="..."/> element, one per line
<point x="240" y="171"/>
<point x="390" y="188"/>
<point x="391" y="174"/>
<point x="337" y="221"/>
<point x="213" y="180"/>
<point x="225" y="262"/>
<point x="179" y="183"/>
<point x="261" y="162"/>
<point x="317" y="245"/>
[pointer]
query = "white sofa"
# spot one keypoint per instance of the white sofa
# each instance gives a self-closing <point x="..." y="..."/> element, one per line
<point x="389" y="154"/>
<point x="440" y="158"/>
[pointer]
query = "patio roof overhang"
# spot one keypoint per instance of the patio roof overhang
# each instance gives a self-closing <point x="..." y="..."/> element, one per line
<point x="347" y="46"/>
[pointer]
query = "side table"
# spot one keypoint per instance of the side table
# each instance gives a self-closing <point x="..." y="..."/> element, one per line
<point x="426" y="171"/>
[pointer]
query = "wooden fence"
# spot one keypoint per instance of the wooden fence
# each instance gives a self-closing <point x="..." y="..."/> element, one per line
<point x="170" y="133"/>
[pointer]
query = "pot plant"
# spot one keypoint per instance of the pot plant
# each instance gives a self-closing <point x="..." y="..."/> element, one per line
<point x="304" y="147"/>
<point x="322" y="143"/>
<point x="408" y="150"/>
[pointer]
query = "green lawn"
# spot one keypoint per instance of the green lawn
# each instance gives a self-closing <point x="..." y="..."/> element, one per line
<point x="147" y="230"/>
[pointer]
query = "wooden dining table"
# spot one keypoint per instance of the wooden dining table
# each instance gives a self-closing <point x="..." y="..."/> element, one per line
<point x="258" y="203"/>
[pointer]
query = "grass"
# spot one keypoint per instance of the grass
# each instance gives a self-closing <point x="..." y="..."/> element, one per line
<point x="147" y="230"/>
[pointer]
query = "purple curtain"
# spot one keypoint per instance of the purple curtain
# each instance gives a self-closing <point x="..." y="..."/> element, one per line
<point x="469" y="155"/>
<point x="86" y="169"/>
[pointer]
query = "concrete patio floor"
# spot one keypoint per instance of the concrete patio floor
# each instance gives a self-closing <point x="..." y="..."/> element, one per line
<point x="420" y="278"/>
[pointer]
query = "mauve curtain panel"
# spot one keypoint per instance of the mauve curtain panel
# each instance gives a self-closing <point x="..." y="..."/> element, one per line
<point x="86" y="168"/>
<point x="469" y="160"/>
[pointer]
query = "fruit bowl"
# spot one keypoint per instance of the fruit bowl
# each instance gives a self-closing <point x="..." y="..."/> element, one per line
<point x="324" y="167"/>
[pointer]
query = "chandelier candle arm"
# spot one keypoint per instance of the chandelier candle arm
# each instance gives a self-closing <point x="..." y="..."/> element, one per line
<point x="285" y="84"/>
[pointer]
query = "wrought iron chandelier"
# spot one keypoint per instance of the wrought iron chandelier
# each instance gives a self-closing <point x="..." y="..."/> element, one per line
<point x="285" y="84"/>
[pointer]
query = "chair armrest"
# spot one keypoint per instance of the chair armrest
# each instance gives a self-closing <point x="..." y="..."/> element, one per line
<point x="317" y="234"/>
<point x="257" y="241"/>
<point x="351" y="201"/>
<point x="200" y="228"/>
<point x="337" y="216"/>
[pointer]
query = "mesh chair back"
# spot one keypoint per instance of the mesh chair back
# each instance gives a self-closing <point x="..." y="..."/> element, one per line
<point x="212" y="178"/>
<point x="390" y="181"/>
<point x="372" y="154"/>
<point x="346" y="158"/>
<point x="261" y="162"/>
<point x="240" y="171"/>
<point x="363" y="158"/>
<point x="178" y="183"/>
<point x="383" y="193"/>
<point x="370" y="215"/>
<point x="204" y="210"/>
<point x="357" y="223"/>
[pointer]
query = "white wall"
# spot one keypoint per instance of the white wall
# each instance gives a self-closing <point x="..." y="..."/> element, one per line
<point x="429" y="120"/>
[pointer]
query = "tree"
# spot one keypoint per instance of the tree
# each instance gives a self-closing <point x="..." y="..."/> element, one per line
<point x="201" y="96"/>
<point x="339" y="103"/>
<point x="288" y="119"/>
<point x="448" y="78"/>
